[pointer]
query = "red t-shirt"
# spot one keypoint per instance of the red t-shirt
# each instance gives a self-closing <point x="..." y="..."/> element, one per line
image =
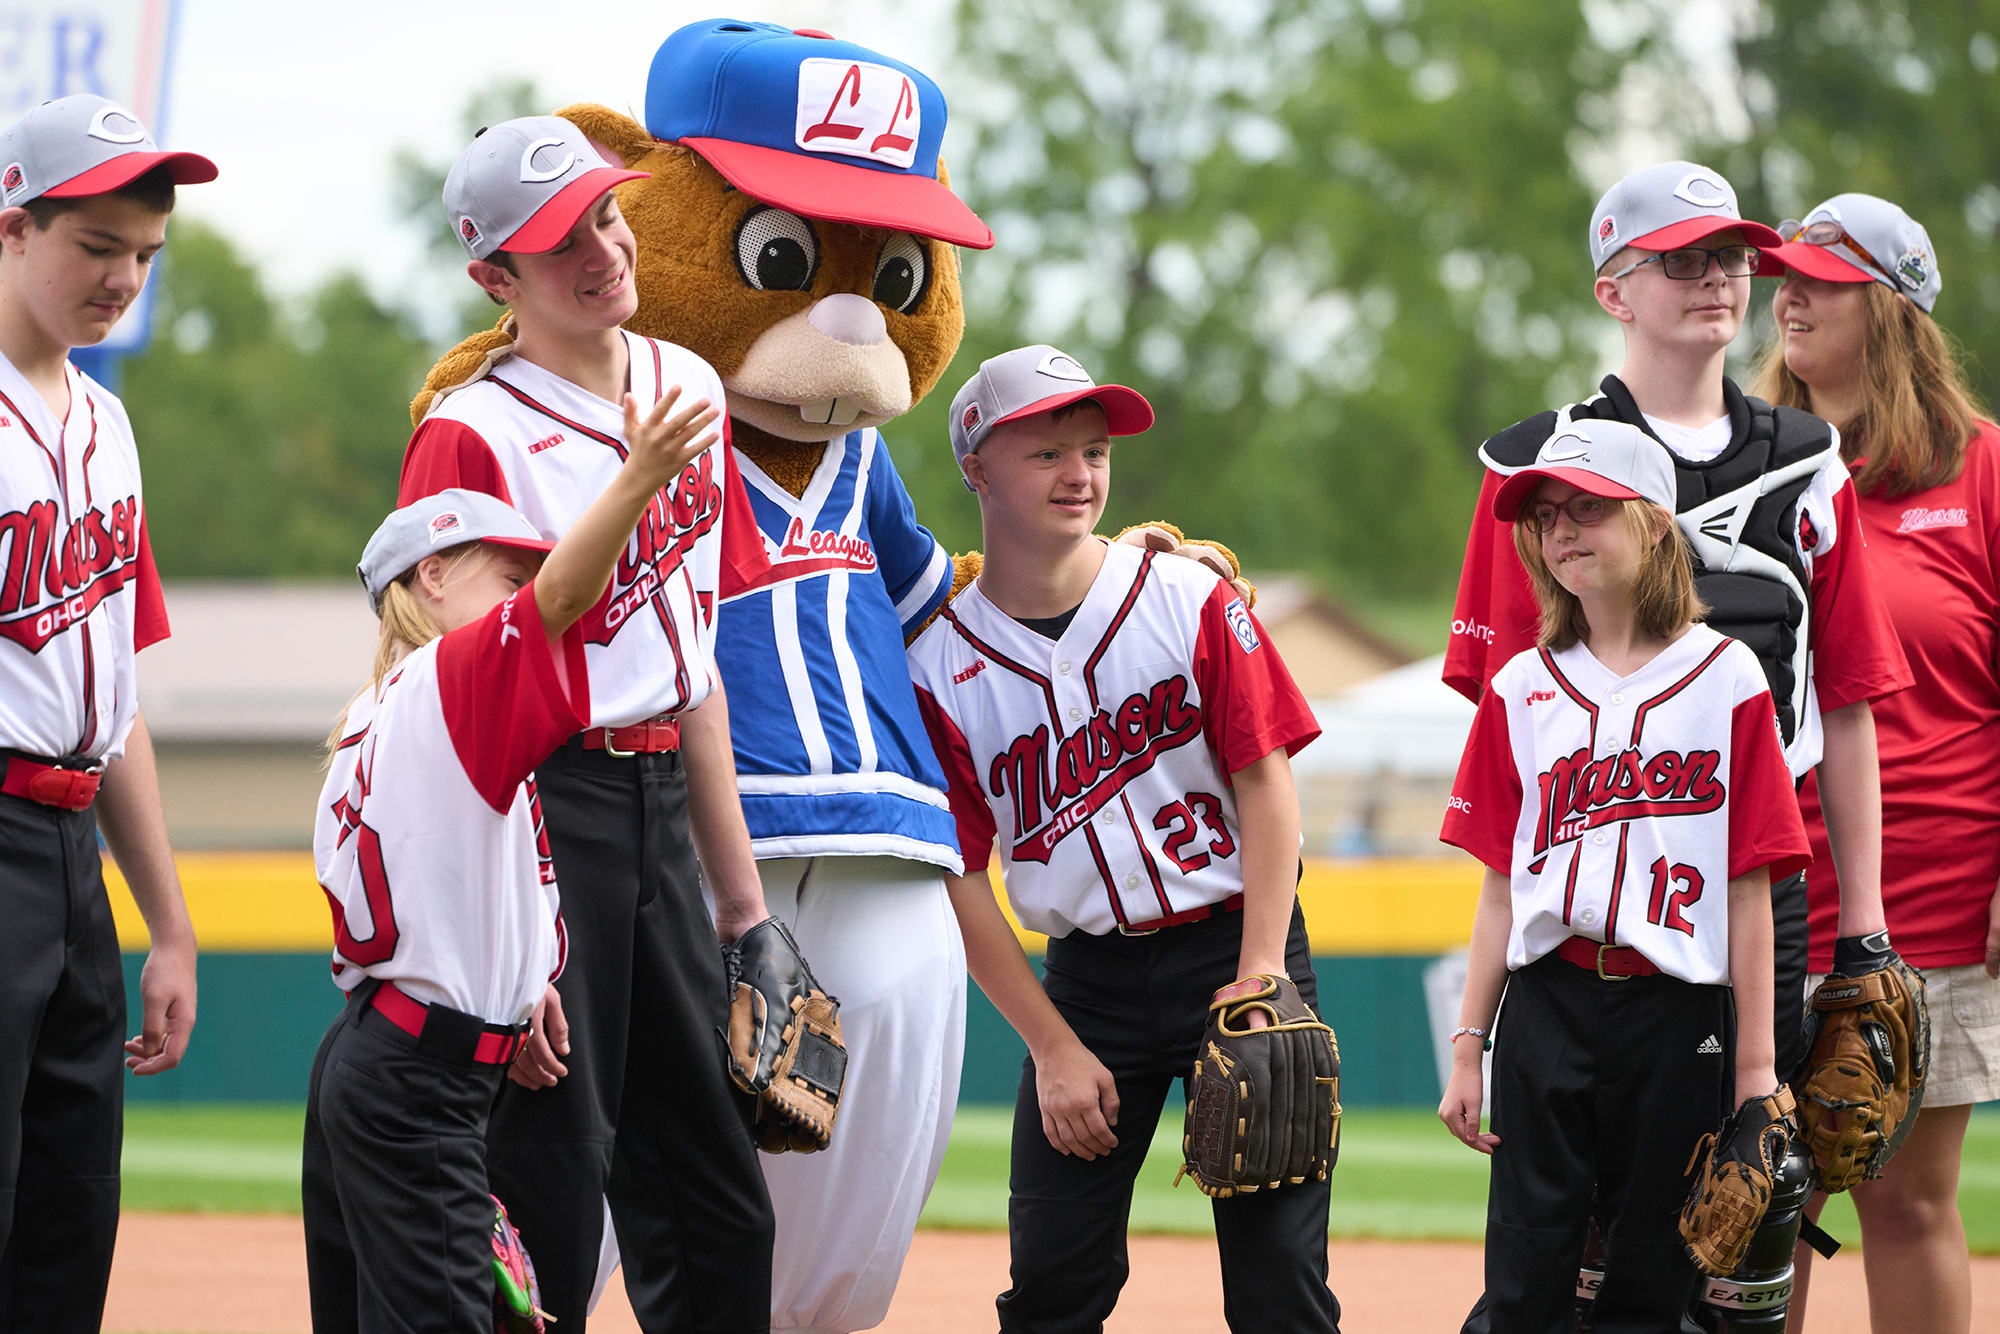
<point x="1937" y="554"/>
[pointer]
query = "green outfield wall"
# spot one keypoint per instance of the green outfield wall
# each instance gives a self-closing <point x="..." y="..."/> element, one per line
<point x="261" y="1016"/>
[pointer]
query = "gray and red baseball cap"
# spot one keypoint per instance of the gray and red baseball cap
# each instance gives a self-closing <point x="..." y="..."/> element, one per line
<point x="436" y="523"/>
<point x="1606" y="458"/>
<point x="521" y="185"/>
<point x="84" y="145"/>
<point x="1667" y="206"/>
<point x="1037" y="379"/>
<point x="1857" y="238"/>
<point x="799" y="119"/>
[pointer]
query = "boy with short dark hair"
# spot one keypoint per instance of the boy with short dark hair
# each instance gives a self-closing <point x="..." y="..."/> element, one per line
<point x="84" y="200"/>
<point x="1119" y="726"/>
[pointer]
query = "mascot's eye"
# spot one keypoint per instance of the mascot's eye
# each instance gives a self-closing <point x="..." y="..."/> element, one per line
<point x="776" y="251"/>
<point x="902" y="273"/>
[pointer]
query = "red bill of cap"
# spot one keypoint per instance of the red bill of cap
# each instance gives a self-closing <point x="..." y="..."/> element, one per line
<point x="1514" y="493"/>
<point x="1126" y="411"/>
<point x="549" y="224"/>
<point x="1814" y="261"/>
<point x="102" y="179"/>
<point x="815" y="187"/>
<point x="1689" y="230"/>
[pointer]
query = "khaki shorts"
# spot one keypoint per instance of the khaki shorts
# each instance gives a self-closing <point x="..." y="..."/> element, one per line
<point x="1965" y="1034"/>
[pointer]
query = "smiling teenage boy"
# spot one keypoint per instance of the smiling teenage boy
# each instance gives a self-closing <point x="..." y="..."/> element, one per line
<point x="638" y="1107"/>
<point x="1120" y="726"/>
<point x="84" y="200"/>
<point x="1766" y="506"/>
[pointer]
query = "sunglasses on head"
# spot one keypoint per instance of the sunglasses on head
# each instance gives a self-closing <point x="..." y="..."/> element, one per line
<point x="1827" y="232"/>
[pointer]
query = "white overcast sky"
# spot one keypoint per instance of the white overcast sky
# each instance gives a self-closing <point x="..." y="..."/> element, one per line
<point x="303" y="107"/>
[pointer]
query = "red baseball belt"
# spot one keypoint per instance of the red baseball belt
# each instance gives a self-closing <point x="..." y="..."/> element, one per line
<point x="1613" y="963"/>
<point x="654" y="736"/>
<point x="69" y="783"/>
<point x="1234" y="903"/>
<point x="497" y="1044"/>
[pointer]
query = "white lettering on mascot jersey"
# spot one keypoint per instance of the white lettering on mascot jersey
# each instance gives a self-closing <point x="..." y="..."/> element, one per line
<point x="428" y="839"/>
<point x="549" y="448"/>
<point x="1620" y="808"/>
<point x="1099" y="761"/>
<point x="80" y="593"/>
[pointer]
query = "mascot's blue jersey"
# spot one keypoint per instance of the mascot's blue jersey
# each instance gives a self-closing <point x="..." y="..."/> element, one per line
<point x="831" y="753"/>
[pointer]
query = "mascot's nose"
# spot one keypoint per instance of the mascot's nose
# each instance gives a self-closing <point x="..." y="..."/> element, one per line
<point x="847" y="318"/>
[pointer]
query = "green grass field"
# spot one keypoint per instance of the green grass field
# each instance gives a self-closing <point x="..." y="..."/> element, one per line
<point x="1400" y="1174"/>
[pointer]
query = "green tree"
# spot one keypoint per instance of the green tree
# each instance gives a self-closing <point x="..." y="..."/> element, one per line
<point x="1336" y="243"/>
<point x="271" y="441"/>
<point x="1898" y="99"/>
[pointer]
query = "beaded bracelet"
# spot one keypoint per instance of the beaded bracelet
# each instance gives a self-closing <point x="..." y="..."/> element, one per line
<point x="1485" y="1042"/>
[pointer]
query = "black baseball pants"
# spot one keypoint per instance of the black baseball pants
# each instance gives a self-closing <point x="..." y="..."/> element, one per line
<point x="1604" y="1084"/>
<point x="393" y="1183"/>
<point x="1139" y="1003"/>
<point x="646" y="1116"/>
<point x="1789" y="940"/>
<point x="62" y="1071"/>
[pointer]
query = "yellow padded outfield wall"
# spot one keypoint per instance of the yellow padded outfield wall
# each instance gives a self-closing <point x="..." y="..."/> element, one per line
<point x="270" y="903"/>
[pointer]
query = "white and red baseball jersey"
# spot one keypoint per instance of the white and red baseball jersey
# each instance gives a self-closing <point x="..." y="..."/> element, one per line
<point x="429" y="839"/>
<point x="1621" y="807"/>
<point x="80" y="595"/>
<point x="549" y="448"/>
<point x="1101" y="760"/>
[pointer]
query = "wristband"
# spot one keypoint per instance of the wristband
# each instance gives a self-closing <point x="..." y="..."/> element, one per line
<point x="1485" y="1042"/>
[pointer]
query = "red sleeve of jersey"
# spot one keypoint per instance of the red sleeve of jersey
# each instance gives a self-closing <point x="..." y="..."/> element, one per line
<point x="1856" y="654"/>
<point x="1485" y="805"/>
<point x="1250" y="706"/>
<point x="1495" y="616"/>
<point x="149" y="603"/>
<point x="1765" y="828"/>
<point x="445" y="453"/>
<point x="505" y="704"/>
<point x="968" y="801"/>
<point x="745" y="562"/>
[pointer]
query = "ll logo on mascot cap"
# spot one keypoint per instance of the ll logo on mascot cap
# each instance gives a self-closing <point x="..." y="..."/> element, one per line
<point x="825" y="128"/>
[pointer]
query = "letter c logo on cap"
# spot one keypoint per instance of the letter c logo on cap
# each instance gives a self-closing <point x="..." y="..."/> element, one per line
<point x="1705" y="190"/>
<point x="533" y="175"/>
<point x="101" y="127"/>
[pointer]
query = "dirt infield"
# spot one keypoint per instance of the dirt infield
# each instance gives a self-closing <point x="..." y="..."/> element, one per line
<point x="208" y="1274"/>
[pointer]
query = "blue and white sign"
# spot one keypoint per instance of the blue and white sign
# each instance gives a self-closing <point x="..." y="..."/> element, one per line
<point x="120" y="49"/>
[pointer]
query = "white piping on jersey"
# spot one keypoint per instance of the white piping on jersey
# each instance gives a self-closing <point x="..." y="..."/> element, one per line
<point x="900" y="846"/>
<point x="805" y="506"/>
<point x="921" y="591"/>
<point x="792" y="660"/>
<point x="844" y="661"/>
<point x="814" y="785"/>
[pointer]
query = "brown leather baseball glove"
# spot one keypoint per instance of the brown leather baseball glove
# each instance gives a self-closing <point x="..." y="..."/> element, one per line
<point x="1263" y="1103"/>
<point x="1870" y="1058"/>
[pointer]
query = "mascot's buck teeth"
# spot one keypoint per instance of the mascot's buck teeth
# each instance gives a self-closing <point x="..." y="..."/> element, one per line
<point x="829" y="412"/>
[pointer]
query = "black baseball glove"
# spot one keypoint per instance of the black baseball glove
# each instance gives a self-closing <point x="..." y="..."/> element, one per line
<point x="784" y="1040"/>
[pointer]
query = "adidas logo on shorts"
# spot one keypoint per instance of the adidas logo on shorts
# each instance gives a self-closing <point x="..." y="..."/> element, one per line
<point x="1710" y="1046"/>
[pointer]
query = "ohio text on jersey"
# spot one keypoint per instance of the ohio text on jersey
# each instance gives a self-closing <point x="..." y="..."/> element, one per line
<point x="1620" y="808"/>
<point x="80" y="594"/>
<point x="549" y="448"/>
<point x="1099" y="760"/>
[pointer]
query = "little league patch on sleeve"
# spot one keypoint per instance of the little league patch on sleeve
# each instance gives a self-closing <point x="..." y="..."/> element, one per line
<point x="1239" y="620"/>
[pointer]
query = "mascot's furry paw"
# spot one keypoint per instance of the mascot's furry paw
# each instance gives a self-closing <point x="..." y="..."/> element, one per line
<point x="1159" y="535"/>
<point x="463" y="365"/>
<point x="964" y="569"/>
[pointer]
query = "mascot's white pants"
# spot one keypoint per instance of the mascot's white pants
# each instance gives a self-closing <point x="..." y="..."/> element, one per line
<point x="880" y="935"/>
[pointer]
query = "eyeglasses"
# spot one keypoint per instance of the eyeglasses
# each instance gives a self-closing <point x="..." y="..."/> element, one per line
<point x="1827" y="232"/>
<point x="1584" y="510"/>
<point x="1691" y="262"/>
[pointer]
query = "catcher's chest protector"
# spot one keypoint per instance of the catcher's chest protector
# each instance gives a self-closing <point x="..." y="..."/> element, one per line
<point x="1740" y="514"/>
